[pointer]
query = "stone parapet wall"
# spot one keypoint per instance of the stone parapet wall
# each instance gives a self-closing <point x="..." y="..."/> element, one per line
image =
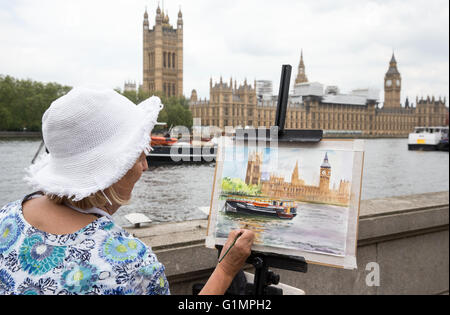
<point x="406" y="236"/>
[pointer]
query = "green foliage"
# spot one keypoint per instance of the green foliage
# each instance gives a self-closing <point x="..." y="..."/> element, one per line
<point x="175" y="112"/>
<point x="23" y="102"/>
<point x="237" y="186"/>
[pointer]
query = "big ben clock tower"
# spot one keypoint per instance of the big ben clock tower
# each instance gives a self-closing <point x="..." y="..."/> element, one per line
<point x="392" y="86"/>
<point x="325" y="174"/>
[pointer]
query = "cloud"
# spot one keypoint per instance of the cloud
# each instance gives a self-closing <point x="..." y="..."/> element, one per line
<point x="346" y="43"/>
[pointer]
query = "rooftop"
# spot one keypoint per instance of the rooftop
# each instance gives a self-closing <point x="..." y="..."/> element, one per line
<point x="344" y="99"/>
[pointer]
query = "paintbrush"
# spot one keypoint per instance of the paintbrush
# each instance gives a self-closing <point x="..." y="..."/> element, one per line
<point x="231" y="246"/>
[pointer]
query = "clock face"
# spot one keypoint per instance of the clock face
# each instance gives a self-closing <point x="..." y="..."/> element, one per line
<point x="398" y="82"/>
<point x="389" y="83"/>
<point x="324" y="172"/>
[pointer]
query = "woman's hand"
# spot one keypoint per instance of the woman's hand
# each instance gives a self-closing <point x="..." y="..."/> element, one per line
<point x="235" y="259"/>
<point x="230" y="265"/>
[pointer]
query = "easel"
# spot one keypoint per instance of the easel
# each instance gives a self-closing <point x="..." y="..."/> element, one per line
<point x="264" y="278"/>
<point x="292" y="135"/>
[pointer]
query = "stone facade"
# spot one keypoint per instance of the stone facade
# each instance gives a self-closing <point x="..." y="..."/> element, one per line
<point x="163" y="55"/>
<point x="311" y="106"/>
<point x="228" y="106"/>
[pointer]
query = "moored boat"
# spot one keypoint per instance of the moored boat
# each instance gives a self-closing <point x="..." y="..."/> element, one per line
<point x="162" y="141"/>
<point x="274" y="208"/>
<point x="428" y="138"/>
<point x="443" y="145"/>
<point x="167" y="150"/>
<point x="181" y="153"/>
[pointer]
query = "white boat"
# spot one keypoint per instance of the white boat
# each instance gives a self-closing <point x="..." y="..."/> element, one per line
<point x="428" y="138"/>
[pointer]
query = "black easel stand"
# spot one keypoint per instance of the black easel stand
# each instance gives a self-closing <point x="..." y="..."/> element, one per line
<point x="265" y="278"/>
<point x="291" y="135"/>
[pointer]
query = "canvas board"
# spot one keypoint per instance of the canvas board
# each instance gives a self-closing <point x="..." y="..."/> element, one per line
<point x="300" y="199"/>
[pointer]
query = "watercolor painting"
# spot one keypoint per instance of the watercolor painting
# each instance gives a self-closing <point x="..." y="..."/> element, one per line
<point x="294" y="198"/>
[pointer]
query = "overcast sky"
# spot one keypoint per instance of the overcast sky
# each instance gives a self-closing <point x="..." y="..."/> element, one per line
<point x="347" y="43"/>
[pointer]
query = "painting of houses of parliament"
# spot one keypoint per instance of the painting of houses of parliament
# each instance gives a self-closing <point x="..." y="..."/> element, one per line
<point x="300" y="200"/>
<point x="276" y="186"/>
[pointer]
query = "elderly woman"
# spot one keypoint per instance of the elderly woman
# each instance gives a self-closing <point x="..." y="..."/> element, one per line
<point x="62" y="239"/>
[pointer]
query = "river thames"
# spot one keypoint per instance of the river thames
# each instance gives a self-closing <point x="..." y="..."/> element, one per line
<point x="175" y="193"/>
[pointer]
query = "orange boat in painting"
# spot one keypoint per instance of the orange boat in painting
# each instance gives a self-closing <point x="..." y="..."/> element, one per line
<point x="281" y="209"/>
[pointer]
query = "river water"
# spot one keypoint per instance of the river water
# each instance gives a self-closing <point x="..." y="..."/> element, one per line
<point x="315" y="228"/>
<point x="175" y="193"/>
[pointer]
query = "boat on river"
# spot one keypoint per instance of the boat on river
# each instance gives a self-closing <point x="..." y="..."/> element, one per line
<point x="169" y="150"/>
<point x="281" y="209"/>
<point x="428" y="138"/>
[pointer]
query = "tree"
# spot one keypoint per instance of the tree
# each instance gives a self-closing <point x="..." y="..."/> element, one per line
<point x="23" y="102"/>
<point x="5" y="118"/>
<point x="175" y="112"/>
<point x="237" y="186"/>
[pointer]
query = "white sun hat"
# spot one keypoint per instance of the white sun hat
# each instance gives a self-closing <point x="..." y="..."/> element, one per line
<point x="93" y="137"/>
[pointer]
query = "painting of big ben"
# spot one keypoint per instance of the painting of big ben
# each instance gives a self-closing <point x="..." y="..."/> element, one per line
<point x="300" y="200"/>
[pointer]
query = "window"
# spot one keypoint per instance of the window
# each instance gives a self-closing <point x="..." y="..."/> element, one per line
<point x="173" y="60"/>
<point x="151" y="57"/>
<point x="165" y="58"/>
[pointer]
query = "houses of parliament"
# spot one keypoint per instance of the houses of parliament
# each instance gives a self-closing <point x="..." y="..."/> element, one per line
<point x="311" y="105"/>
<point x="297" y="189"/>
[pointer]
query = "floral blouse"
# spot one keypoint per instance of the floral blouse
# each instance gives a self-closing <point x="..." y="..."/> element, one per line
<point x="101" y="258"/>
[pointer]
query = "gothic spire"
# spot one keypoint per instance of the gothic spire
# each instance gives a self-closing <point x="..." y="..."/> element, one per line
<point x="325" y="163"/>
<point x="158" y="18"/>
<point x="302" y="64"/>
<point x="393" y="58"/>
<point x="393" y="66"/>
<point x="158" y="9"/>
<point x="146" y="19"/>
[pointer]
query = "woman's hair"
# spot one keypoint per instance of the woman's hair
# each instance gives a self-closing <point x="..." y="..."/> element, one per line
<point x="97" y="200"/>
